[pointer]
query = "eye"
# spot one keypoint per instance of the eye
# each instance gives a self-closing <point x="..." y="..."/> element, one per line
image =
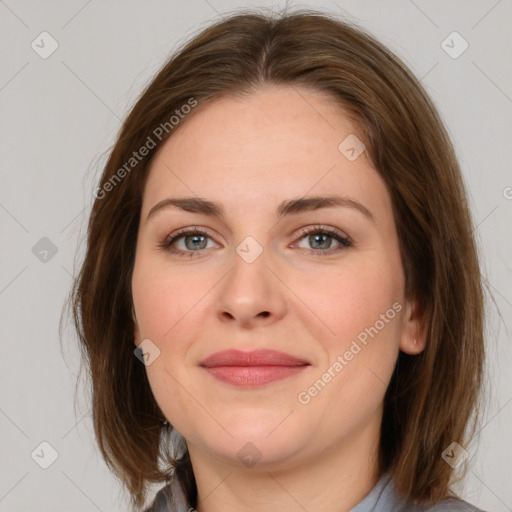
<point x="320" y="238"/>
<point x="195" y="241"/>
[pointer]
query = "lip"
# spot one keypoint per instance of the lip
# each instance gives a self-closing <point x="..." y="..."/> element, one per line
<point x="251" y="369"/>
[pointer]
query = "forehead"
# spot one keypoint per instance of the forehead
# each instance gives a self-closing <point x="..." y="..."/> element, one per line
<point x="261" y="148"/>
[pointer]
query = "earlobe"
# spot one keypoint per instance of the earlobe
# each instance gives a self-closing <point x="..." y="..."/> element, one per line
<point x="411" y="346"/>
<point x="412" y="336"/>
<point x="414" y="346"/>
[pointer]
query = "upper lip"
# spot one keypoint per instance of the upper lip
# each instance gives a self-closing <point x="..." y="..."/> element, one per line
<point x="254" y="358"/>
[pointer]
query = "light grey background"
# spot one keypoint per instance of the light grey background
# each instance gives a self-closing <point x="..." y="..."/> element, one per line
<point x="59" y="117"/>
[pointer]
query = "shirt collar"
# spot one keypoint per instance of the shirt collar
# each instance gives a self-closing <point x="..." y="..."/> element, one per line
<point x="382" y="498"/>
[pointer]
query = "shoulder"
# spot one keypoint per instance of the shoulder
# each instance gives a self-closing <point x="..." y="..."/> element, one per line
<point x="384" y="497"/>
<point x="452" y="505"/>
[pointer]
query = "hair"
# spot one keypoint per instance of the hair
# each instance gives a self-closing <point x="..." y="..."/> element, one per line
<point x="433" y="398"/>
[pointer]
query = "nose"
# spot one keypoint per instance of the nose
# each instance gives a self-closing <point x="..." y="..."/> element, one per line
<point x="251" y="293"/>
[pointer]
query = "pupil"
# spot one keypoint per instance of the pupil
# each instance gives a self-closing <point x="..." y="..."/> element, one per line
<point x="316" y="237"/>
<point x="196" y="238"/>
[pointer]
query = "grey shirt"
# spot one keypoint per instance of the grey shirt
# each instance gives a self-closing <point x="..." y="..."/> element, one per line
<point x="382" y="498"/>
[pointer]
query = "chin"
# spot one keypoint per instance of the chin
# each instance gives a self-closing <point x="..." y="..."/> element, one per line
<point x="263" y="441"/>
<point x="256" y="455"/>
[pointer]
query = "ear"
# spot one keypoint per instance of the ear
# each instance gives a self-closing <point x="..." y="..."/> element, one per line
<point x="413" y="337"/>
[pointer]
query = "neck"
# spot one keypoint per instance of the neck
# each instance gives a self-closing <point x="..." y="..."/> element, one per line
<point x="336" y="479"/>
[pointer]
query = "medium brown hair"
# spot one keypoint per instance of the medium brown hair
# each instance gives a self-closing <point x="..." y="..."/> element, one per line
<point x="432" y="399"/>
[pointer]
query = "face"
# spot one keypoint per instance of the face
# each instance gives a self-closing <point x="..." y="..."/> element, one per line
<point x="323" y="284"/>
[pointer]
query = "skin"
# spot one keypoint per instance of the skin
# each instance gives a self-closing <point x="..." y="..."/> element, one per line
<point x="249" y="154"/>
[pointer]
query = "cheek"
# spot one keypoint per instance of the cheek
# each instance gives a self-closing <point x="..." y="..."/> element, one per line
<point x="171" y="303"/>
<point x="363" y="309"/>
<point x="165" y="300"/>
<point x="351" y="300"/>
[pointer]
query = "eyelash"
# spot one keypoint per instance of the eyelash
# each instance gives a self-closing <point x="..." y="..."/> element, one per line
<point x="345" y="241"/>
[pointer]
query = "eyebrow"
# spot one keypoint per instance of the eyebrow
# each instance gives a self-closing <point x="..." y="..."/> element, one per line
<point x="289" y="207"/>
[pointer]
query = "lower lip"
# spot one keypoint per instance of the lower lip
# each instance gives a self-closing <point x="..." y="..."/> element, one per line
<point x="253" y="375"/>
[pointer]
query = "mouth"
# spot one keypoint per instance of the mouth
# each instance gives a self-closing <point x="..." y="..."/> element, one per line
<point x="252" y="369"/>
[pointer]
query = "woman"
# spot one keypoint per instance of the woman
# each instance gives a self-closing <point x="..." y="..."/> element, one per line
<point x="281" y="274"/>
